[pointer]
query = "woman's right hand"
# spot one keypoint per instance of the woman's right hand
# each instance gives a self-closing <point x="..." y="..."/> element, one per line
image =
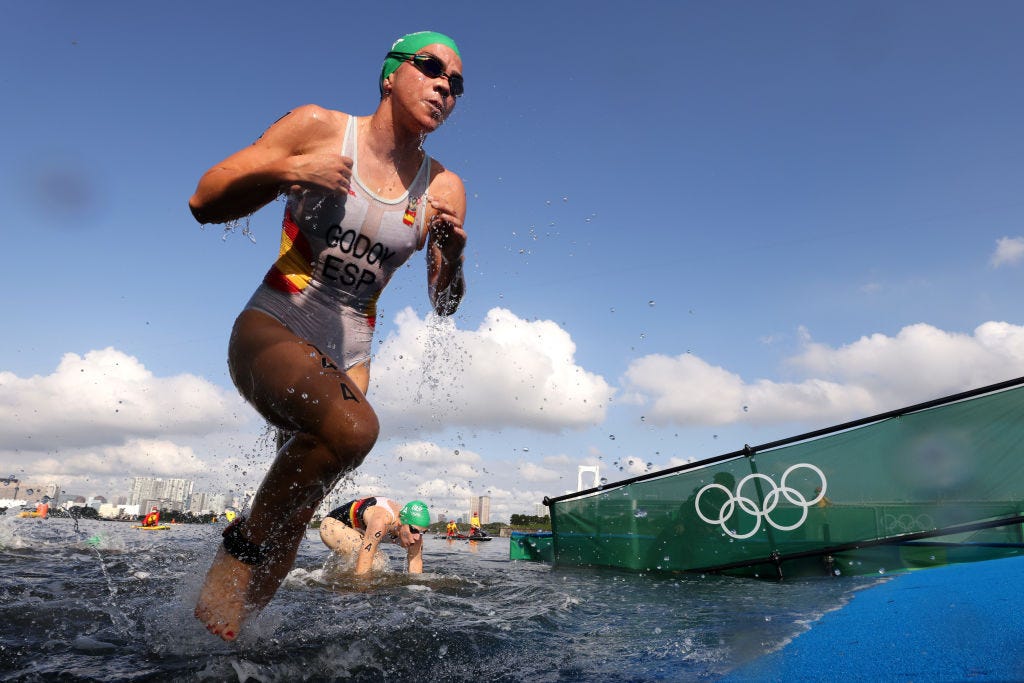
<point x="323" y="171"/>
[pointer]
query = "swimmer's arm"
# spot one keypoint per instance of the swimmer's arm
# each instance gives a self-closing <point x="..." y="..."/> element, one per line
<point x="446" y="210"/>
<point x="371" y="541"/>
<point x="414" y="560"/>
<point x="285" y="156"/>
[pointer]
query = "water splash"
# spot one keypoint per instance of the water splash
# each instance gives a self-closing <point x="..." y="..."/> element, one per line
<point x="240" y="225"/>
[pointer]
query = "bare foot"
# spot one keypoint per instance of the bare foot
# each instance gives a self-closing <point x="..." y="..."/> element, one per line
<point x="224" y="600"/>
<point x="234" y="590"/>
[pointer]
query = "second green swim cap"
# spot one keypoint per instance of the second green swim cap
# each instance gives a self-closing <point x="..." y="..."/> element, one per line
<point x="412" y="43"/>
<point x="415" y="513"/>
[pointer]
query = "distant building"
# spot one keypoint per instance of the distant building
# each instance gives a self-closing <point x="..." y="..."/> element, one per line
<point x="169" y="494"/>
<point x="203" y="503"/>
<point x="35" y="492"/>
<point x="540" y="510"/>
<point x="480" y="505"/>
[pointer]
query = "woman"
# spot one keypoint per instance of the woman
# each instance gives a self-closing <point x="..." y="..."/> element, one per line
<point x="362" y="196"/>
<point x="358" y="527"/>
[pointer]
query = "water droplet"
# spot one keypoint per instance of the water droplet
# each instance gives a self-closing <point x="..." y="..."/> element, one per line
<point x="746" y="408"/>
<point x="651" y="302"/>
<point x="612" y="437"/>
<point x="881" y="570"/>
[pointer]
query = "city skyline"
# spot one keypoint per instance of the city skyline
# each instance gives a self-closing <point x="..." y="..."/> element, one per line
<point x="146" y="491"/>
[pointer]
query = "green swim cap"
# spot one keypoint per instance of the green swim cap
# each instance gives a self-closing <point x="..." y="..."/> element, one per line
<point x="415" y="513"/>
<point x="413" y="43"/>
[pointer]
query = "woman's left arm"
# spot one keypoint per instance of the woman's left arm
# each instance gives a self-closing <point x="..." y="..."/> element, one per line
<point x="414" y="559"/>
<point x="446" y="211"/>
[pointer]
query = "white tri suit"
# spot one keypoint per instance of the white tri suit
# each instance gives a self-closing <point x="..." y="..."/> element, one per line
<point x="337" y="255"/>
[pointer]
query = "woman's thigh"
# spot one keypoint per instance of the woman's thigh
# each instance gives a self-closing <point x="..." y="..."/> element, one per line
<point x="340" y="537"/>
<point x="293" y="384"/>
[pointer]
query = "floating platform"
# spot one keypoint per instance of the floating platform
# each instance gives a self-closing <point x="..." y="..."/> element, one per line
<point x="932" y="484"/>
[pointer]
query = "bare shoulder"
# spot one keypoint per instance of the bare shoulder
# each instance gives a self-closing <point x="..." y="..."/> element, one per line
<point x="307" y="128"/>
<point x="316" y="116"/>
<point x="444" y="181"/>
<point x="380" y="513"/>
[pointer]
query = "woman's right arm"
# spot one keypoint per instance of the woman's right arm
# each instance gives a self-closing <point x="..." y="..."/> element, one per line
<point x="285" y="156"/>
<point x="376" y="527"/>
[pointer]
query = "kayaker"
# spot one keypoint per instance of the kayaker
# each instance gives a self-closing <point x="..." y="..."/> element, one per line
<point x="153" y="518"/>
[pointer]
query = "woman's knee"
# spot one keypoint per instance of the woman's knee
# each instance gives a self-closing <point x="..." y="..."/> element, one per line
<point x="352" y="435"/>
<point x="347" y="439"/>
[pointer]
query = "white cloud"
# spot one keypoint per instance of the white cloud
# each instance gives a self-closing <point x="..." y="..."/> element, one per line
<point x="871" y="375"/>
<point x="107" y="398"/>
<point x="1009" y="251"/>
<point x="429" y="453"/>
<point x="141" y="457"/>
<point x="632" y="466"/>
<point x="535" y="473"/>
<point x="99" y="419"/>
<point x="509" y="372"/>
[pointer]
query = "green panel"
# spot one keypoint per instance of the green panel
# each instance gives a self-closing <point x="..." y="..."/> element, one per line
<point x="531" y="546"/>
<point x="950" y="465"/>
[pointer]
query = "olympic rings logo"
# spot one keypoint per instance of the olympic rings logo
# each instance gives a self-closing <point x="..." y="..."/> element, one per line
<point x="771" y="500"/>
<point x="907" y="523"/>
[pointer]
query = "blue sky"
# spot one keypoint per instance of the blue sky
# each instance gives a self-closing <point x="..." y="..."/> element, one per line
<point x="691" y="226"/>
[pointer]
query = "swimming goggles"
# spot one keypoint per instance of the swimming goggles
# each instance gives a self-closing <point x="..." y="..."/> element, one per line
<point x="414" y="530"/>
<point x="432" y="67"/>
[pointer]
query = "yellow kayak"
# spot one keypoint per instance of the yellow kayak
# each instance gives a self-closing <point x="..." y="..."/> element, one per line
<point x="158" y="527"/>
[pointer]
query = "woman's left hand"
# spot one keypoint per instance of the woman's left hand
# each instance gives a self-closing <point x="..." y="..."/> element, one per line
<point x="446" y="231"/>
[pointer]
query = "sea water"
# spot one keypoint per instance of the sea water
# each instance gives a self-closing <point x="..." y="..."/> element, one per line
<point x="101" y="601"/>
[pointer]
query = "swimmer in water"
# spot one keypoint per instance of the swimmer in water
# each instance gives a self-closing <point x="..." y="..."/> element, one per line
<point x="360" y="526"/>
<point x="362" y="196"/>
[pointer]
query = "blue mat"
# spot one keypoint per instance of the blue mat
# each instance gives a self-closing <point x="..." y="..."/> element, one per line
<point x="960" y="622"/>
